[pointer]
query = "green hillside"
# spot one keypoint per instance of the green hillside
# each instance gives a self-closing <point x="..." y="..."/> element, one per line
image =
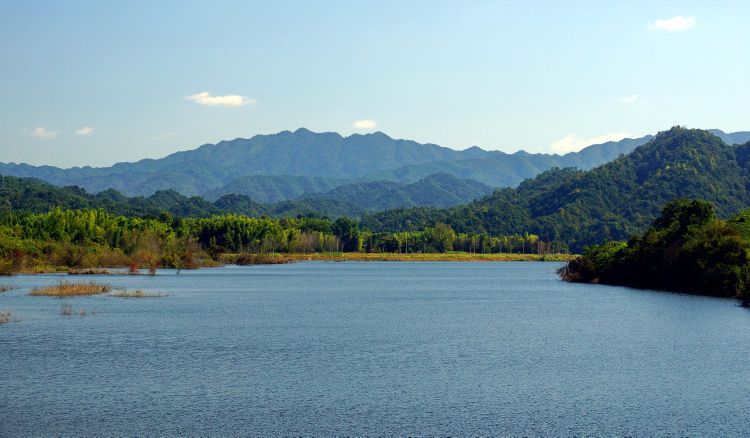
<point x="612" y="201"/>
<point x="25" y="195"/>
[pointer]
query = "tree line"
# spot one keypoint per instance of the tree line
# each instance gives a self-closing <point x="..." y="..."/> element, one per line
<point x="95" y="237"/>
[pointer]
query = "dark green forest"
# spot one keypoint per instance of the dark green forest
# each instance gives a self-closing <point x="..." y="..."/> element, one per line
<point x="27" y="195"/>
<point x="37" y="242"/>
<point x="687" y="249"/>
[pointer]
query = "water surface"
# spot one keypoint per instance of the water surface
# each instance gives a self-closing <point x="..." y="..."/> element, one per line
<point x="373" y="348"/>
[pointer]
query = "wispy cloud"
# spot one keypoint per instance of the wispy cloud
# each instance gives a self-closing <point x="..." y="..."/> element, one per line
<point x="42" y="132"/>
<point x="365" y="124"/>
<point x="574" y="143"/>
<point x="84" y="130"/>
<point x="674" y="24"/>
<point x="205" y="98"/>
<point x="629" y="99"/>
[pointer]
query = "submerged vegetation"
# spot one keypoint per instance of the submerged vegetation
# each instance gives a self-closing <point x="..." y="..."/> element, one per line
<point x="138" y="294"/>
<point x="687" y="249"/>
<point x="67" y="310"/>
<point x="6" y="317"/>
<point x="67" y="289"/>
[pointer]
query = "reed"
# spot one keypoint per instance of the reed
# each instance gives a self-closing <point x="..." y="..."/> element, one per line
<point x="67" y="289"/>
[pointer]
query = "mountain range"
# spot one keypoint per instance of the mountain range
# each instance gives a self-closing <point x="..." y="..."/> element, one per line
<point x="294" y="165"/>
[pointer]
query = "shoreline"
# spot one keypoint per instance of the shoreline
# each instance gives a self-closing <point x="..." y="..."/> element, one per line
<point x="279" y="258"/>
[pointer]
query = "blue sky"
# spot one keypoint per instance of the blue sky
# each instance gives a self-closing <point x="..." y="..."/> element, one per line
<point x="93" y="83"/>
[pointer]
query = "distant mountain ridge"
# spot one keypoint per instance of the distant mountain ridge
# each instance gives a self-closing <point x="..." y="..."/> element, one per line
<point x="28" y="195"/>
<point x="291" y="165"/>
<point x="731" y="138"/>
<point x="209" y="167"/>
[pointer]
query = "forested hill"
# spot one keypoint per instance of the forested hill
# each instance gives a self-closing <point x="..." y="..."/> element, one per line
<point x="301" y="163"/>
<point x="612" y="201"/>
<point x="26" y="195"/>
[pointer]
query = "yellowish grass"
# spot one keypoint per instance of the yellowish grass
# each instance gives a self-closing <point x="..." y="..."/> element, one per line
<point x="67" y="289"/>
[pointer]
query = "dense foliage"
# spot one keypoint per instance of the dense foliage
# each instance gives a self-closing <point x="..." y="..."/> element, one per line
<point x="442" y="190"/>
<point x="92" y="238"/>
<point x="686" y="249"/>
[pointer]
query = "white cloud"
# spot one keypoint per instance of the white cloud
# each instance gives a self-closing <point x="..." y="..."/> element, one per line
<point x="42" y="132"/>
<point x="574" y="143"/>
<point x="674" y="24"/>
<point x="205" y="98"/>
<point x="629" y="99"/>
<point x="84" y="130"/>
<point x="365" y="124"/>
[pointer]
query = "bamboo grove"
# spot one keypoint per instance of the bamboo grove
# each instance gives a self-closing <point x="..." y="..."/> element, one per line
<point x="94" y="237"/>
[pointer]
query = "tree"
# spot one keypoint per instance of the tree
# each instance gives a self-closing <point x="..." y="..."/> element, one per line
<point x="347" y="231"/>
<point x="442" y="237"/>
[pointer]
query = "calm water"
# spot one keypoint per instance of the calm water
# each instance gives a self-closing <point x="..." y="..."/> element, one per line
<point x="373" y="349"/>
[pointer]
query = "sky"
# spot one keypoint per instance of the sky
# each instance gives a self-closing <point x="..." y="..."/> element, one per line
<point x="94" y="83"/>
